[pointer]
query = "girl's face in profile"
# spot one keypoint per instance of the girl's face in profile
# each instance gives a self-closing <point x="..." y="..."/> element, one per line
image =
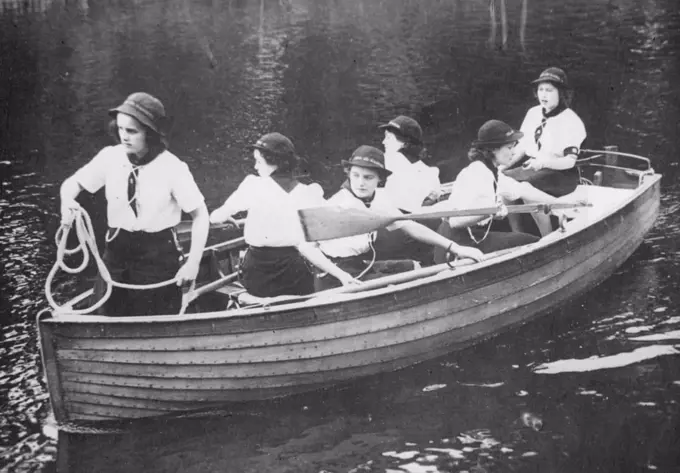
<point x="548" y="96"/>
<point x="132" y="134"/>
<point x="504" y="154"/>
<point x="363" y="181"/>
<point x="391" y="142"/>
<point x="263" y="168"/>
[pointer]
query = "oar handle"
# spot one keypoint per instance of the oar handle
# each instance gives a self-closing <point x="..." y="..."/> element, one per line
<point x="210" y="287"/>
<point x="512" y="209"/>
<point x="185" y="225"/>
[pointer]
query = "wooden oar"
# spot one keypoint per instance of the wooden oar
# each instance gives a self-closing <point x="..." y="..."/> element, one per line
<point x="329" y="222"/>
<point x="190" y="296"/>
<point x="185" y="225"/>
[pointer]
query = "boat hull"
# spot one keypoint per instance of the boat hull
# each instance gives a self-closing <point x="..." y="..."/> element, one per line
<point x="102" y="369"/>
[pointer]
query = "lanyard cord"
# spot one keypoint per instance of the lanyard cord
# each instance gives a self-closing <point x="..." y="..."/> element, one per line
<point x="488" y="226"/>
<point x="371" y="237"/>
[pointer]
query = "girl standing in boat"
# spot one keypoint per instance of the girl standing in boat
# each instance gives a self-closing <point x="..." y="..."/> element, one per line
<point x="481" y="185"/>
<point x="147" y="189"/>
<point x="553" y="134"/>
<point x="274" y="263"/>
<point x="355" y="254"/>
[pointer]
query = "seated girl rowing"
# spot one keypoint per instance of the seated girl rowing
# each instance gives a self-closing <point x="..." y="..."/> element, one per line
<point x="481" y="185"/>
<point x="275" y="262"/>
<point x="411" y="184"/>
<point x="355" y="254"/>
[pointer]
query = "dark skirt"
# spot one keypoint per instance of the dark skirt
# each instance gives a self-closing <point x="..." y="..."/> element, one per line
<point x="271" y="271"/>
<point x="397" y="245"/>
<point x="555" y="182"/>
<point x="494" y="241"/>
<point x="356" y="265"/>
<point x="141" y="258"/>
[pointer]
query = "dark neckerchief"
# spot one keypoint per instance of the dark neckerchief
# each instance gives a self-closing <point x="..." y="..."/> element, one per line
<point x="538" y="132"/>
<point x="412" y="153"/>
<point x="285" y="180"/>
<point x="561" y="107"/>
<point x="137" y="162"/>
<point x="364" y="200"/>
<point x="151" y="154"/>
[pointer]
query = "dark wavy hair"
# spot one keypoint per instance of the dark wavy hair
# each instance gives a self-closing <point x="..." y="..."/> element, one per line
<point x="565" y="95"/>
<point x="485" y="155"/>
<point x="285" y="164"/>
<point x="413" y="151"/>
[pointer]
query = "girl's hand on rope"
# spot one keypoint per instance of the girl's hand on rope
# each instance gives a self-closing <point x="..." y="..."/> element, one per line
<point x="187" y="273"/>
<point x="69" y="209"/>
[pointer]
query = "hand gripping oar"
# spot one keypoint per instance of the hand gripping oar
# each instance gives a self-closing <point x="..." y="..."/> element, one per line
<point x="329" y="222"/>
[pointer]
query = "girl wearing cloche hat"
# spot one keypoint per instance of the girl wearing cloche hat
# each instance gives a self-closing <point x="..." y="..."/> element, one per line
<point x="481" y="184"/>
<point x="356" y="254"/>
<point x="147" y="188"/>
<point x="553" y="135"/>
<point x="412" y="181"/>
<point x="275" y="262"/>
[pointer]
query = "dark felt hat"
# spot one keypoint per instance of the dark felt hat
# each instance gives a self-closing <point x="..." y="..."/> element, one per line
<point x="496" y="133"/>
<point x="368" y="157"/>
<point x="407" y="127"/>
<point x="555" y="76"/>
<point x="145" y="108"/>
<point x="276" y="144"/>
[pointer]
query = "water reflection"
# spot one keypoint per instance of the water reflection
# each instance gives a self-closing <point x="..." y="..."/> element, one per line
<point x="24" y="255"/>
<point x="326" y="73"/>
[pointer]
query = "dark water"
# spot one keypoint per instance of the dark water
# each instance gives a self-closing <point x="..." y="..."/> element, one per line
<point x="326" y="73"/>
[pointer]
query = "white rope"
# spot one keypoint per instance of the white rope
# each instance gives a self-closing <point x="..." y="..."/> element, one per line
<point x="87" y="245"/>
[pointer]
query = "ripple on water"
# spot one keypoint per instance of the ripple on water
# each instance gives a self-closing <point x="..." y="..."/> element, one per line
<point x="24" y="252"/>
<point x="595" y="363"/>
<point x="473" y="450"/>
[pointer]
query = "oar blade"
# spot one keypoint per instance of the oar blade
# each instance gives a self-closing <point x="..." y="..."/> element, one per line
<point x="330" y="222"/>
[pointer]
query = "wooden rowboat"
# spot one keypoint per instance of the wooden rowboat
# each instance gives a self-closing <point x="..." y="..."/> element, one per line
<point x="102" y="369"/>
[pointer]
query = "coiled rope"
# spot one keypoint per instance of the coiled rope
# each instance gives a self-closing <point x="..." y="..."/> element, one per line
<point x="87" y="245"/>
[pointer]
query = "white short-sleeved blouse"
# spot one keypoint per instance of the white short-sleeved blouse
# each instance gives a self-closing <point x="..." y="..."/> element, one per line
<point x="272" y="219"/>
<point x="561" y="132"/>
<point x="165" y="187"/>
<point x="474" y="187"/>
<point x="410" y="183"/>
<point x="358" y="244"/>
